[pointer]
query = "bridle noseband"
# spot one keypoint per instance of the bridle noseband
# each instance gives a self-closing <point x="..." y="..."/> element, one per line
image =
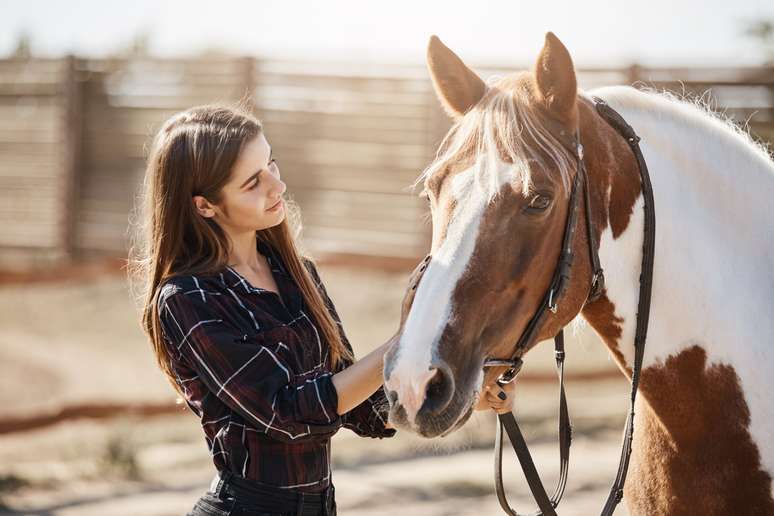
<point x="549" y="304"/>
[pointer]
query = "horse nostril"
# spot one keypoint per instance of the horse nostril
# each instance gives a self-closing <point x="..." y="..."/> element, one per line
<point x="439" y="390"/>
<point x="392" y="397"/>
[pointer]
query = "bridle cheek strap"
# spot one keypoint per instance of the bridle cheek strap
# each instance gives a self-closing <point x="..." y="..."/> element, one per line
<point x="549" y="302"/>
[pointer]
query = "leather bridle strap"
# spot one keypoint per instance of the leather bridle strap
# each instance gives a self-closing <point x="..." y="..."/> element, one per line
<point x="508" y="422"/>
<point x="646" y="285"/>
<point x="547" y="506"/>
<point x="549" y="303"/>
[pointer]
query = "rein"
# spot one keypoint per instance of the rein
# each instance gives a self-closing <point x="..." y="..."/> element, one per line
<point x="549" y="303"/>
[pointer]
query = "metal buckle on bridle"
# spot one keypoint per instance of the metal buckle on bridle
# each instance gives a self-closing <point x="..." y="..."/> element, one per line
<point x="514" y="366"/>
<point x="552" y="304"/>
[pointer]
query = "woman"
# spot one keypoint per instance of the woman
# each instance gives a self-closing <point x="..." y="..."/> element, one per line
<point x="241" y="323"/>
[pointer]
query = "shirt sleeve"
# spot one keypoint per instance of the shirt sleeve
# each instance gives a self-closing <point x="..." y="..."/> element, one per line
<point x="369" y="418"/>
<point x="247" y="373"/>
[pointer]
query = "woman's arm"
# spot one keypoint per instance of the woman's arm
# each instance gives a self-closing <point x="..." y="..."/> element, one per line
<point x="360" y="380"/>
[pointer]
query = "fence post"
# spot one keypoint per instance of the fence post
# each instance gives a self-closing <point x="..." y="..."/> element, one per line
<point x="71" y="141"/>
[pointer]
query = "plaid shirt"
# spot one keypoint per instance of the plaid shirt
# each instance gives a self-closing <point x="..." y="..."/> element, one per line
<point x="255" y="371"/>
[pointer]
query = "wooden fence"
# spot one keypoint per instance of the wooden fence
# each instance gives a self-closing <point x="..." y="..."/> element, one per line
<point x="350" y="141"/>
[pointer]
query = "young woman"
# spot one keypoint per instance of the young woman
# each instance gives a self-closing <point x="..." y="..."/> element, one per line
<point x="241" y="323"/>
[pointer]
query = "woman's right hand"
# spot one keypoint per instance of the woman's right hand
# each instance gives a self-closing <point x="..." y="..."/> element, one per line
<point x="497" y="397"/>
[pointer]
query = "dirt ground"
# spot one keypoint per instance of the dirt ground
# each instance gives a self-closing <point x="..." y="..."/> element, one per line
<point x="66" y="343"/>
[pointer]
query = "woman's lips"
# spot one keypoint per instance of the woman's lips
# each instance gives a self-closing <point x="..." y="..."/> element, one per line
<point x="276" y="206"/>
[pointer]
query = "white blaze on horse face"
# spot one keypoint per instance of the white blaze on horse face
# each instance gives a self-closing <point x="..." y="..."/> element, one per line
<point x="432" y="309"/>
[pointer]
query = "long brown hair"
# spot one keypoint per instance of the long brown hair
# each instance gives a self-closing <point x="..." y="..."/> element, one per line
<point x="193" y="154"/>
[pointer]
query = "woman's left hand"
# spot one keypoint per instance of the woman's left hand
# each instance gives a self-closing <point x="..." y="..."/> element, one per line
<point x="497" y="397"/>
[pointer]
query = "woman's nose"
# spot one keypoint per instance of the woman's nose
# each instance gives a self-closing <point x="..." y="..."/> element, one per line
<point x="282" y="186"/>
<point x="279" y="187"/>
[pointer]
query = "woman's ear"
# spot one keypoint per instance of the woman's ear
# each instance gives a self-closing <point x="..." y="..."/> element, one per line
<point x="203" y="206"/>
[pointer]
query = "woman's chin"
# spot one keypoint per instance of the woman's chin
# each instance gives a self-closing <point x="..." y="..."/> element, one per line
<point x="275" y="220"/>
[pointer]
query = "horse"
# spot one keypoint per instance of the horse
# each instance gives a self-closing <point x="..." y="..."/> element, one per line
<point x="498" y="192"/>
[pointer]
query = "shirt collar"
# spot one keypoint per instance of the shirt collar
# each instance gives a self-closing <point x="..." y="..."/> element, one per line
<point x="272" y="257"/>
<point x="230" y="277"/>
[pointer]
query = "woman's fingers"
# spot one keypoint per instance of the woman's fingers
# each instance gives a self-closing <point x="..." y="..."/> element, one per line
<point x="496" y="397"/>
<point x="499" y="398"/>
<point x="509" y="388"/>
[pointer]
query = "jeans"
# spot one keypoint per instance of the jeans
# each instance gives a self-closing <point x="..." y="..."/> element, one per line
<point x="229" y="496"/>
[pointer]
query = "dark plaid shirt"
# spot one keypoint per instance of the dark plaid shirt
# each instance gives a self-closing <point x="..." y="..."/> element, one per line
<point x="255" y="372"/>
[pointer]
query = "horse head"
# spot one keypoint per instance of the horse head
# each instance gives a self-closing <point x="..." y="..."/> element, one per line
<point x="498" y="192"/>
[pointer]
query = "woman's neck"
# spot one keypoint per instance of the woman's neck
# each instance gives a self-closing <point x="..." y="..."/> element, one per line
<point x="244" y="252"/>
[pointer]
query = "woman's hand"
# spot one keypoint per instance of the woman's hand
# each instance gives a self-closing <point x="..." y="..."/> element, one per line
<point x="498" y="398"/>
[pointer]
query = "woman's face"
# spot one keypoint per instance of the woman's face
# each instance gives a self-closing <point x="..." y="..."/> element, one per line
<point x="252" y="198"/>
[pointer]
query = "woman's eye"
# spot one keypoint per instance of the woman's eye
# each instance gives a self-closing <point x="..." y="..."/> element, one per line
<point x="539" y="202"/>
<point x="252" y="186"/>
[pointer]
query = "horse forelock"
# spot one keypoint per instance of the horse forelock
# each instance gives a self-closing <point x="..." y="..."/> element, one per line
<point x="505" y="125"/>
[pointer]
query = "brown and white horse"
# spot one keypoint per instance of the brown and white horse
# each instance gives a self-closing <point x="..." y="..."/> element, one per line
<point x="498" y="191"/>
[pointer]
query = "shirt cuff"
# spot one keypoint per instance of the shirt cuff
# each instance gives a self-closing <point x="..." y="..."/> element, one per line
<point x="318" y="400"/>
<point x="368" y="418"/>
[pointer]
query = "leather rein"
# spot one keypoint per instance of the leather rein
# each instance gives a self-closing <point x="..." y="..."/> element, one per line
<point x="555" y="291"/>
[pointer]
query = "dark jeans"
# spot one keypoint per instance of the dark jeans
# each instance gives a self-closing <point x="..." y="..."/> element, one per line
<point x="230" y="495"/>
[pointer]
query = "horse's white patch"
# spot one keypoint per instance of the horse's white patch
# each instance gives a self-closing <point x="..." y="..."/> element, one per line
<point x="712" y="283"/>
<point x="432" y="308"/>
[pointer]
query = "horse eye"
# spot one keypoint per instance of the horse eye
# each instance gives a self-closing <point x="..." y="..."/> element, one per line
<point x="539" y="202"/>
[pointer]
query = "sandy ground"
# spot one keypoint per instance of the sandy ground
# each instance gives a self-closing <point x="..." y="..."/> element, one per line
<point x="73" y="342"/>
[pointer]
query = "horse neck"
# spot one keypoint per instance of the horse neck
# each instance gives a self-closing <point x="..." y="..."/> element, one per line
<point x="712" y="283"/>
<point x="714" y="233"/>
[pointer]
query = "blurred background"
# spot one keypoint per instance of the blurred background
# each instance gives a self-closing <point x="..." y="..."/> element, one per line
<point x="88" y="425"/>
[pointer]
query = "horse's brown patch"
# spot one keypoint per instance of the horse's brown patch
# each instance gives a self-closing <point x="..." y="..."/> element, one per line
<point x="602" y="317"/>
<point x="625" y="189"/>
<point x="610" y="164"/>
<point x="693" y="451"/>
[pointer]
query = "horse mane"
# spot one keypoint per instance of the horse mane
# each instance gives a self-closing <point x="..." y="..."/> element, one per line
<point x="695" y="111"/>
<point x="504" y="125"/>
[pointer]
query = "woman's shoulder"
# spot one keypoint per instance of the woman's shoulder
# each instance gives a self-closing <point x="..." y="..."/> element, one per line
<point x="186" y="284"/>
<point x="311" y="266"/>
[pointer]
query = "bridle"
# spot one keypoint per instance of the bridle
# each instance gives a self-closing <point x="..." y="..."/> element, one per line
<point x="549" y="303"/>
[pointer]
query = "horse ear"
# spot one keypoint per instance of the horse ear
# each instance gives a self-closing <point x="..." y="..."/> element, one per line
<point x="457" y="86"/>
<point x="555" y="77"/>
